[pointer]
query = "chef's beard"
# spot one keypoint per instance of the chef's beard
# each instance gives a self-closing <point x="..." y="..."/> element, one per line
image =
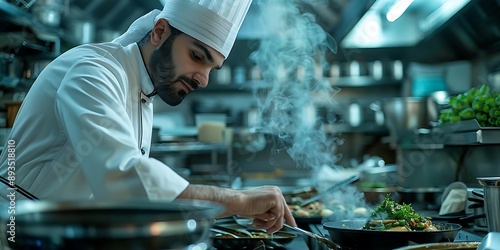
<point x="163" y="73"/>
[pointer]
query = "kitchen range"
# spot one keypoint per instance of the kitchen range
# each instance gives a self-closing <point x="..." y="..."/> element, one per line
<point x="379" y="121"/>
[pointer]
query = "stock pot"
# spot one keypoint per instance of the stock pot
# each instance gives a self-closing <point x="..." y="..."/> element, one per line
<point x="107" y="225"/>
<point x="408" y="113"/>
<point x="491" y="190"/>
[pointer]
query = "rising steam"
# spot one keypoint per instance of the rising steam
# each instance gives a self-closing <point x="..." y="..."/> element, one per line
<point x="288" y="57"/>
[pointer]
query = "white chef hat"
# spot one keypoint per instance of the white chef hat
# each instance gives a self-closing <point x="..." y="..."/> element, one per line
<point x="213" y="22"/>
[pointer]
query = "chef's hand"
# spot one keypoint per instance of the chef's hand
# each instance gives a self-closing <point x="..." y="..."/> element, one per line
<point x="265" y="204"/>
<point x="268" y="208"/>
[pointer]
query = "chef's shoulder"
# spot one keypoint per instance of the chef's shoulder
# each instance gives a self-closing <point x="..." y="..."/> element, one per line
<point x="111" y="51"/>
<point x="100" y="57"/>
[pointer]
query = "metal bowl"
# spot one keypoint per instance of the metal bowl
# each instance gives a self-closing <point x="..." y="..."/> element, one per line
<point x="108" y="224"/>
<point x="408" y="113"/>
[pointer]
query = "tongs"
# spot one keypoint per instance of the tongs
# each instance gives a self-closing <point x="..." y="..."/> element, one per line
<point x="236" y="233"/>
<point x="328" y="243"/>
<point x="335" y="187"/>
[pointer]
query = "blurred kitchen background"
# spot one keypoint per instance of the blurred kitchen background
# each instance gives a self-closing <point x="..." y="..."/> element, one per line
<point x="435" y="49"/>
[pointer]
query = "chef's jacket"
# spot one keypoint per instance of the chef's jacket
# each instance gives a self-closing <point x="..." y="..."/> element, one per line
<point x="84" y="130"/>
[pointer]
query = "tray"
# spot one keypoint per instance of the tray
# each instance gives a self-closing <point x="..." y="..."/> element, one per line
<point x="462" y="126"/>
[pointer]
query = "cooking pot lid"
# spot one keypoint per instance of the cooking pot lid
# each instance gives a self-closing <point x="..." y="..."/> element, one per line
<point x="489" y="181"/>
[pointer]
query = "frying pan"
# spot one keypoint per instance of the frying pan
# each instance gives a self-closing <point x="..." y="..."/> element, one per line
<point x="108" y="225"/>
<point x="277" y="240"/>
<point x="349" y="235"/>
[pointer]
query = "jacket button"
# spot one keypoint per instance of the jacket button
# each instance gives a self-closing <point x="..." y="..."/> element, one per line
<point x="143" y="152"/>
<point x="143" y="100"/>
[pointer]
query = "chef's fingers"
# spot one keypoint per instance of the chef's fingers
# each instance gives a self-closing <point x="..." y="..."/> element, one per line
<point x="269" y="226"/>
<point x="289" y="217"/>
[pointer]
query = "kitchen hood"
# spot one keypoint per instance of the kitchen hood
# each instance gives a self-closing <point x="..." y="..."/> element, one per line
<point x="395" y="23"/>
<point x="443" y="29"/>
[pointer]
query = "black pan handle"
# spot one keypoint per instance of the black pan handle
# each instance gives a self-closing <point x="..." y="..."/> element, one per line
<point x="472" y="217"/>
<point x="476" y="205"/>
<point x="475" y="200"/>
<point x="478" y="193"/>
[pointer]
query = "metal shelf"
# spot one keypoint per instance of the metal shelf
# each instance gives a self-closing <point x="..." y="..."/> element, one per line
<point x="44" y="33"/>
<point x="473" y="137"/>
<point x="465" y="133"/>
<point x="162" y="148"/>
<point x="19" y="17"/>
<point x="363" y="81"/>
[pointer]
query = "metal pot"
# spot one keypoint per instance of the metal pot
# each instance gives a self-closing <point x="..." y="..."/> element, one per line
<point x="491" y="186"/>
<point x="408" y="113"/>
<point x="108" y="224"/>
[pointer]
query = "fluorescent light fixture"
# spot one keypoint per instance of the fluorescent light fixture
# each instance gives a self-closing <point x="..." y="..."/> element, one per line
<point x="442" y="14"/>
<point x="397" y="9"/>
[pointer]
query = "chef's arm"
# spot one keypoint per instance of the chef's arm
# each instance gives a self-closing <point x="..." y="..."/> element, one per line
<point x="265" y="204"/>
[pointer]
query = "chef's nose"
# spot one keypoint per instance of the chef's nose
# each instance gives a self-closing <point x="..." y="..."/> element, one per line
<point x="202" y="78"/>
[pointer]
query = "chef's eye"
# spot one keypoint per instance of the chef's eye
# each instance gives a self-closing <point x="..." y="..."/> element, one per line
<point x="195" y="56"/>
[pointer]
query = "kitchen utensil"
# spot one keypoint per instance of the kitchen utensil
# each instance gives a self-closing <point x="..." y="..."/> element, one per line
<point x="491" y="187"/>
<point x="477" y="208"/>
<point x="479" y="193"/>
<point x="225" y="232"/>
<point x="277" y="240"/>
<point x="349" y="234"/>
<point x="329" y="191"/>
<point x="408" y="113"/>
<point x="330" y="244"/>
<point x="108" y="225"/>
<point x="241" y="232"/>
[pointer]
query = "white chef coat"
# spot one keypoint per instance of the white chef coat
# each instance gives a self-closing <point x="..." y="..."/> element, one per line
<point x="85" y="128"/>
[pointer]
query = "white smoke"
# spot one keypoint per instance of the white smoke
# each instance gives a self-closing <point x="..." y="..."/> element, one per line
<point x="289" y="57"/>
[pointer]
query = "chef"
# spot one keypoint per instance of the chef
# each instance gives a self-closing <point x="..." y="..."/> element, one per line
<point x="84" y="128"/>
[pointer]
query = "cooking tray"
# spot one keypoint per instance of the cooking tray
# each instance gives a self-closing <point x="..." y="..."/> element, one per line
<point x="108" y="225"/>
<point x="349" y="235"/>
<point x="225" y="242"/>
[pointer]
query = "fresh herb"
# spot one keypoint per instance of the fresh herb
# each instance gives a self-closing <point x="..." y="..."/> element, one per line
<point x="390" y="214"/>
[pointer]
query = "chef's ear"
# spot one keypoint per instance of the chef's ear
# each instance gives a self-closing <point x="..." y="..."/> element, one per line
<point x="160" y="31"/>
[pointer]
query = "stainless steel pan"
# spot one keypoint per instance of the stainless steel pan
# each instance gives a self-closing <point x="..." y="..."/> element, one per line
<point x="108" y="224"/>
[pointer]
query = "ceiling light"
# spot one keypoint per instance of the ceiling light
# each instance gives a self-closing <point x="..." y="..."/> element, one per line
<point x="397" y="10"/>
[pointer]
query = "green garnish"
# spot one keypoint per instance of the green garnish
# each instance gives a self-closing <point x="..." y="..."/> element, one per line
<point x="391" y="214"/>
